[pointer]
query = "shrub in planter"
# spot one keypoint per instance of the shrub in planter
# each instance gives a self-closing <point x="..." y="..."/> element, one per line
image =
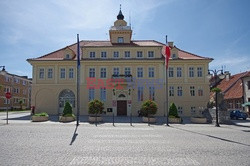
<point x="173" y="114"/>
<point x="67" y="115"/>
<point x="173" y="111"/>
<point x="95" y="107"/>
<point x="40" y="117"/>
<point x="149" y="108"/>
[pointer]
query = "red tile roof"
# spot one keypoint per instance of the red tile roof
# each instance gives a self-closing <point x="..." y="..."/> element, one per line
<point x="59" y="54"/>
<point x="232" y="88"/>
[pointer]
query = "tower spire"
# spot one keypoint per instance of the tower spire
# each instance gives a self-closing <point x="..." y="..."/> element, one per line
<point x="120" y="15"/>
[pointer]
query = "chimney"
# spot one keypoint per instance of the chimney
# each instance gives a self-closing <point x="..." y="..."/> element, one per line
<point x="171" y="44"/>
<point x="227" y="75"/>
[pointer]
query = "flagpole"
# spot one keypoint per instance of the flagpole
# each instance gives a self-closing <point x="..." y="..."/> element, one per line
<point x="166" y="80"/>
<point x="78" y="82"/>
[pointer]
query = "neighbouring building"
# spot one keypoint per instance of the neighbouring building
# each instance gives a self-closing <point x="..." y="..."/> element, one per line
<point x="122" y="73"/>
<point x="236" y="90"/>
<point x="20" y="89"/>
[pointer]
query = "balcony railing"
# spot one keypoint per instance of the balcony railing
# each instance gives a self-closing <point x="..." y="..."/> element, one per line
<point x="122" y="78"/>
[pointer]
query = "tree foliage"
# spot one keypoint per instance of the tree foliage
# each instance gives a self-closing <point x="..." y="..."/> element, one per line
<point x="96" y="107"/>
<point x="67" y="109"/>
<point x="148" y="108"/>
<point x="173" y="111"/>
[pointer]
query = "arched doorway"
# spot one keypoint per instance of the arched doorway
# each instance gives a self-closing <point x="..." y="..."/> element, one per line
<point x="66" y="96"/>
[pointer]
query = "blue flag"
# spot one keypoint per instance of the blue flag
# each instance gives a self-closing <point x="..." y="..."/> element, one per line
<point x="78" y="51"/>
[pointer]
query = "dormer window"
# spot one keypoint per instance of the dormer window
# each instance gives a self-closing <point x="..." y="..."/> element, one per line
<point x="174" y="56"/>
<point x="120" y="40"/>
<point x="67" y="56"/>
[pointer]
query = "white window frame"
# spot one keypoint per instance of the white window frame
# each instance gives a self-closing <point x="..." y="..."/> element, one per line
<point x="127" y="54"/>
<point x="62" y="73"/>
<point x="179" y="91"/>
<point x="151" y="72"/>
<point x="192" y="91"/>
<point x="116" y="71"/>
<point x="140" y="93"/>
<point x="103" y="94"/>
<point x="50" y="73"/>
<point x="191" y="72"/>
<point x="127" y="71"/>
<point x="103" y="54"/>
<point x="116" y="54"/>
<point x="178" y="72"/>
<point x="91" y="94"/>
<point x="152" y="93"/>
<point x="139" y="54"/>
<point x="170" y="72"/>
<point x="199" y="72"/>
<point x="103" y="72"/>
<point x="171" y="91"/>
<point x="41" y="75"/>
<point x="151" y="54"/>
<point x="92" y="54"/>
<point x="91" y="72"/>
<point x="71" y="73"/>
<point x="140" y="72"/>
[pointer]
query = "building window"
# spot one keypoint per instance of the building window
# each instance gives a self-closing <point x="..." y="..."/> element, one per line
<point x="139" y="72"/>
<point x="103" y="72"/>
<point x="174" y="56"/>
<point x="103" y="94"/>
<point x="150" y="54"/>
<point x="127" y="71"/>
<point x="24" y="92"/>
<point x="127" y="54"/>
<point x="6" y="101"/>
<point x="140" y="94"/>
<point x="91" y="94"/>
<point x="238" y="104"/>
<point x="191" y="72"/>
<point x="71" y="73"/>
<point x="116" y="54"/>
<point x="179" y="91"/>
<point x="200" y="92"/>
<point x="91" y="72"/>
<point x="67" y="56"/>
<point x="62" y="73"/>
<point x="180" y="110"/>
<point x="170" y="72"/>
<point x="151" y="72"/>
<point x="41" y="73"/>
<point x="116" y="71"/>
<point x="103" y="54"/>
<point x="192" y="111"/>
<point x="92" y="54"/>
<point x="179" y="72"/>
<point x="7" y="89"/>
<point x="199" y="71"/>
<point x="17" y="80"/>
<point x="16" y="100"/>
<point x="152" y="93"/>
<point x="7" y="79"/>
<point x="139" y="54"/>
<point x="248" y="84"/>
<point x="120" y="40"/>
<point x="171" y="91"/>
<point x="50" y="73"/>
<point x="192" y="91"/>
<point x="24" y="82"/>
<point x="16" y="90"/>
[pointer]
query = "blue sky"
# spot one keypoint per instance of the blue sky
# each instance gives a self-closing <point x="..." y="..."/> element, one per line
<point x="219" y="29"/>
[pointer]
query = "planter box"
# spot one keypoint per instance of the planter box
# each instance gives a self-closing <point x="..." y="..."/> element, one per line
<point x="198" y="120"/>
<point x="150" y="119"/>
<point x="93" y="119"/>
<point x="39" y="118"/>
<point x="66" y="119"/>
<point x="174" y="120"/>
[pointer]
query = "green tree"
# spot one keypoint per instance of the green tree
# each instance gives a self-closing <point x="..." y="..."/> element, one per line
<point x="96" y="107"/>
<point x="218" y="90"/>
<point x="67" y="109"/>
<point x="21" y="104"/>
<point x="173" y="111"/>
<point x="148" y="108"/>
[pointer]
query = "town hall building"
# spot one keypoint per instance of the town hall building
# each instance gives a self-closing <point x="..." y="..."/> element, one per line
<point x="122" y="73"/>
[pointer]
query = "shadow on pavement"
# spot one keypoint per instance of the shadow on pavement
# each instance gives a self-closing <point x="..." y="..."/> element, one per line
<point x="74" y="136"/>
<point x="211" y="136"/>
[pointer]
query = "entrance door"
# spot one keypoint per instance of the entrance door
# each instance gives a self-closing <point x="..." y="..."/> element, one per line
<point x="121" y="108"/>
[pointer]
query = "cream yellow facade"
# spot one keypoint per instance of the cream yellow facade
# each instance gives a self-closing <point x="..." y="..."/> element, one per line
<point x="122" y="73"/>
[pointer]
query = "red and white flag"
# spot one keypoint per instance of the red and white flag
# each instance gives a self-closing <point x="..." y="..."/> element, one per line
<point x="167" y="53"/>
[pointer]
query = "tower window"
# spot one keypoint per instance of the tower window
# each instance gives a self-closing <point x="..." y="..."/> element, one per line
<point x="120" y="40"/>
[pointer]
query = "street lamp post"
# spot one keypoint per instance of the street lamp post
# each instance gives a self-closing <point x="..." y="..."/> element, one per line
<point x="221" y="76"/>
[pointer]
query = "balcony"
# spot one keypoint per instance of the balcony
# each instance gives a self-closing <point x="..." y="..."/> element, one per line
<point x="122" y="78"/>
